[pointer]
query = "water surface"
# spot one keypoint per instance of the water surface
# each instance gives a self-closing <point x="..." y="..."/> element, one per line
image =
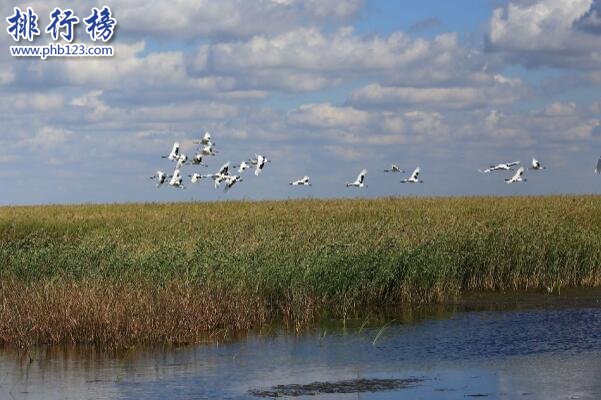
<point x="531" y="347"/>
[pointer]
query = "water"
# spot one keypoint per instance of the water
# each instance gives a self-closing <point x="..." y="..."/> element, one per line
<point x="530" y="349"/>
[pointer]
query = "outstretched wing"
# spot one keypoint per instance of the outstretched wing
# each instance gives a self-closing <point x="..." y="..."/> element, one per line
<point x="517" y="175"/>
<point x="224" y="168"/>
<point x="415" y="174"/>
<point x="174" y="152"/>
<point x="520" y="172"/>
<point x="361" y="176"/>
<point x="535" y="163"/>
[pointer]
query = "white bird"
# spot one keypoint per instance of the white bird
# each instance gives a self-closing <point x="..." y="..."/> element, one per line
<point x="195" y="177"/>
<point x="181" y="160"/>
<point x="360" y="181"/>
<point x="500" y="167"/>
<point x="536" y="165"/>
<point x="206" y="139"/>
<point x="208" y="150"/>
<point x="598" y="168"/>
<point x="260" y="162"/>
<point x="160" y="177"/>
<point x="220" y="175"/>
<point x="173" y="156"/>
<point x="225" y="169"/>
<point x="518" y="177"/>
<point x="414" y="178"/>
<point x="231" y="180"/>
<point x="218" y="179"/>
<point x="394" y="168"/>
<point x="197" y="160"/>
<point x="304" y="181"/>
<point x="242" y="167"/>
<point x="177" y="180"/>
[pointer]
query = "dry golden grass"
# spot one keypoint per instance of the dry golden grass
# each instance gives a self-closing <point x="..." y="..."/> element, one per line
<point x="119" y="315"/>
<point x="120" y="275"/>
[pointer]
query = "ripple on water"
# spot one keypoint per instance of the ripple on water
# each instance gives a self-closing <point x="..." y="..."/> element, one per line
<point x="533" y="353"/>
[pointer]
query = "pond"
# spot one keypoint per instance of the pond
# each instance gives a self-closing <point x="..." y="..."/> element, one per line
<point x="524" y="346"/>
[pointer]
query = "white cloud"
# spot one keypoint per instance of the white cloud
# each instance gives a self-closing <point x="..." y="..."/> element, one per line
<point x="545" y="33"/>
<point x="46" y="138"/>
<point x="308" y="59"/>
<point x="344" y="152"/>
<point x="553" y="124"/>
<point x="228" y="18"/>
<point x="7" y="75"/>
<point x="428" y="125"/>
<point x="501" y="91"/>
<point x="31" y="102"/>
<point x="327" y="116"/>
<point x="92" y="101"/>
<point x="347" y="125"/>
<point x="559" y="109"/>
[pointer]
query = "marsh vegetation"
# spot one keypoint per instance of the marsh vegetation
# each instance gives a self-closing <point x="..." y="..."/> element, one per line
<point x="121" y="275"/>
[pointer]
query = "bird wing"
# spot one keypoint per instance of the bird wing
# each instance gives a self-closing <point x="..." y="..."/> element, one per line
<point x="224" y="168"/>
<point x="516" y="176"/>
<point x="511" y="164"/>
<point x="598" y="169"/>
<point x="361" y="176"/>
<point x="415" y="173"/>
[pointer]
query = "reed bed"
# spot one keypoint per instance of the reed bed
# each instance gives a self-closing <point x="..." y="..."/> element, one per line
<point x="122" y="275"/>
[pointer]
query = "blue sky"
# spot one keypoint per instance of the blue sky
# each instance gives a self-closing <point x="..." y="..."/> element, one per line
<point x="323" y="88"/>
<point x="464" y="16"/>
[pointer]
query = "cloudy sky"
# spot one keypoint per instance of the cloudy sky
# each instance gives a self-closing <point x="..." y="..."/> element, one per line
<point x="322" y="87"/>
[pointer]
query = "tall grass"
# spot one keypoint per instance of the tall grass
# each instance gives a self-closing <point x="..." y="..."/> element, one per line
<point x="175" y="273"/>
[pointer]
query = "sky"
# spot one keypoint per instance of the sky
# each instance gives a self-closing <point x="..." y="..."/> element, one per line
<point x="323" y="88"/>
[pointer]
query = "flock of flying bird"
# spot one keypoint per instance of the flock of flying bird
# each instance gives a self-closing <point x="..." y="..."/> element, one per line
<point x="206" y="149"/>
<point x="519" y="175"/>
<point x="224" y="174"/>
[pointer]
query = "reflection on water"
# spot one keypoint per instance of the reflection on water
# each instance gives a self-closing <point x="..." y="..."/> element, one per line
<point x="524" y="351"/>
